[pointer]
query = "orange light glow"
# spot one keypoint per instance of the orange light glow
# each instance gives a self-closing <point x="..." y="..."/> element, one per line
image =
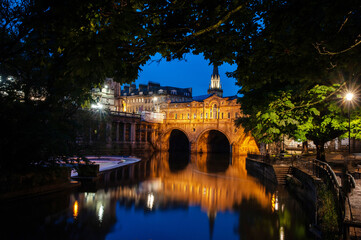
<point x="75" y="209"/>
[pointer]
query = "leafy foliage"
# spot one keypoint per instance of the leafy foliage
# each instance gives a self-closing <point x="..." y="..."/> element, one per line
<point x="58" y="50"/>
<point x="289" y="85"/>
<point x="327" y="213"/>
<point x="315" y="112"/>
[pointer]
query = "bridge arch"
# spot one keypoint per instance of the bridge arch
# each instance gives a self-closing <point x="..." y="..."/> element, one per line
<point x="175" y="139"/>
<point x="245" y="144"/>
<point x="213" y="140"/>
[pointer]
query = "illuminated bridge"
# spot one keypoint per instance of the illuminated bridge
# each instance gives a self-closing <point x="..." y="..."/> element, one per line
<point x="204" y="125"/>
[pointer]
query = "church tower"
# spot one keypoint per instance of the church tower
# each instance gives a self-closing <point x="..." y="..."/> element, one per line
<point x="215" y="86"/>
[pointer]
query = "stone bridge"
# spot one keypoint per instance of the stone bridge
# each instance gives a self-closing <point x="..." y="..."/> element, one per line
<point x="204" y="126"/>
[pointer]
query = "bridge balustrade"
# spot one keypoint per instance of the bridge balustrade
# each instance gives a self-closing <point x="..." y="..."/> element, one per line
<point x="125" y="114"/>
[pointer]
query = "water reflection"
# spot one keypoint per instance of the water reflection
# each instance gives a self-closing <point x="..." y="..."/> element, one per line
<point x="213" y="163"/>
<point x="160" y="199"/>
<point x="178" y="160"/>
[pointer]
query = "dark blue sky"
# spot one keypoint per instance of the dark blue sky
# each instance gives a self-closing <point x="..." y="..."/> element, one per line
<point x="194" y="72"/>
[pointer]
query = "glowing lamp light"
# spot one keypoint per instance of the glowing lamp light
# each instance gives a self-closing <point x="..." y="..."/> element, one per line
<point x="349" y="96"/>
<point x="97" y="106"/>
<point x="101" y="213"/>
<point x="75" y="209"/>
<point x="150" y="201"/>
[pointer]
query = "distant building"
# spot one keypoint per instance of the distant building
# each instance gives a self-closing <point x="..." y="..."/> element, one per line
<point x="204" y="108"/>
<point x="150" y="97"/>
<point x="105" y="97"/>
<point x="209" y="107"/>
<point x="215" y="87"/>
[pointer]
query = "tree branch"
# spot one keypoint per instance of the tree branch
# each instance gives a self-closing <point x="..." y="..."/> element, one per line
<point x="323" y="51"/>
<point x="317" y="102"/>
<point x="208" y="29"/>
<point x="343" y="24"/>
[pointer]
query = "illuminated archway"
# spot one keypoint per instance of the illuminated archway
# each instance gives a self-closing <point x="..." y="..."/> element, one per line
<point x="213" y="141"/>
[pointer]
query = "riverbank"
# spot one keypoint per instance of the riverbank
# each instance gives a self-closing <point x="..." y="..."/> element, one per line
<point x="16" y="186"/>
<point x="109" y="162"/>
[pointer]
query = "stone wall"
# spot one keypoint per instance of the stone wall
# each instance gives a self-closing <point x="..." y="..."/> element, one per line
<point x="261" y="170"/>
<point x="304" y="187"/>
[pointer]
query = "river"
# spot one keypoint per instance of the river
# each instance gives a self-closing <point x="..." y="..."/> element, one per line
<point x="165" y="196"/>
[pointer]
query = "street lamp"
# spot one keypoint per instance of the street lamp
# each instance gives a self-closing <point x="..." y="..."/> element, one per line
<point x="349" y="96"/>
<point x="97" y="106"/>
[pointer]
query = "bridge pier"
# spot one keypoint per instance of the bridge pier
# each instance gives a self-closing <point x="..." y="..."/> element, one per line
<point x="117" y="132"/>
<point x="132" y="132"/>
<point x="108" y="134"/>
<point x="193" y="147"/>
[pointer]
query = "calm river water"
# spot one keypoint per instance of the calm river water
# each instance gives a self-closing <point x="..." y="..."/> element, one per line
<point x="165" y="196"/>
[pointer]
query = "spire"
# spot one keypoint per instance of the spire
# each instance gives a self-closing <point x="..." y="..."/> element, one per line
<point x="211" y="219"/>
<point x="215" y="72"/>
<point x="215" y="86"/>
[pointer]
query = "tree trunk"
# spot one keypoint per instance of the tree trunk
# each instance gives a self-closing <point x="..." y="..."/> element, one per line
<point x="305" y="147"/>
<point x="321" y="151"/>
<point x="278" y="147"/>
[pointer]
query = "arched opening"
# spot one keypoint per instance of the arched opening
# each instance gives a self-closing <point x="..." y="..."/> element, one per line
<point x="213" y="141"/>
<point x="178" y="141"/>
<point x="178" y="151"/>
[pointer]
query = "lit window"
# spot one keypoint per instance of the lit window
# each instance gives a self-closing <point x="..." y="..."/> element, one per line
<point x="194" y="116"/>
<point x="206" y="115"/>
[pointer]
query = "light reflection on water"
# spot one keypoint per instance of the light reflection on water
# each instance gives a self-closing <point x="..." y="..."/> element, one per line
<point x="165" y="197"/>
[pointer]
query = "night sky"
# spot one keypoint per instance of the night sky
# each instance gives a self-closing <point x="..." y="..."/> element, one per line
<point x="194" y="72"/>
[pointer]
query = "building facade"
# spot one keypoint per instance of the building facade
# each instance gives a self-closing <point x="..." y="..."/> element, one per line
<point x="105" y="97"/>
<point x="205" y="108"/>
<point x="150" y="97"/>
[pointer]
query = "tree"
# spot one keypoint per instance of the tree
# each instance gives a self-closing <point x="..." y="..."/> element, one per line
<point x="52" y="55"/>
<point x="286" y="82"/>
<point x="316" y="115"/>
<point x="62" y="49"/>
<point x="56" y="51"/>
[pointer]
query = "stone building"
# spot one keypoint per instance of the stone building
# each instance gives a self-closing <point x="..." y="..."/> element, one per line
<point x="205" y="124"/>
<point x="105" y="97"/>
<point x="203" y="109"/>
<point x="200" y="124"/>
<point x="150" y="97"/>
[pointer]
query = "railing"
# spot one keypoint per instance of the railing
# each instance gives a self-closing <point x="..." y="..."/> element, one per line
<point x="349" y="221"/>
<point x="279" y="159"/>
<point x="125" y="114"/>
<point x="350" y="180"/>
<point x="324" y="171"/>
<point x="256" y="156"/>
